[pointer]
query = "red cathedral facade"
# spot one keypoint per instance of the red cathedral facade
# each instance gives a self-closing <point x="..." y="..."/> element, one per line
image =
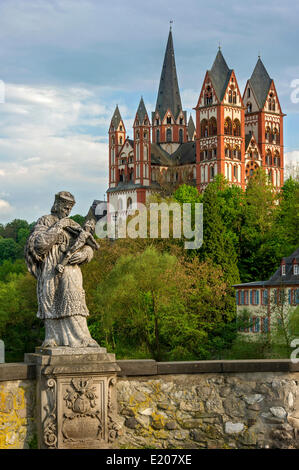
<point x="233" y="136"/>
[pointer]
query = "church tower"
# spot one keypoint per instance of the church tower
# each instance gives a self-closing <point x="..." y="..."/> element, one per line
<point x="264" y="121"/>
<point x="142" y="150"/>
<point x="117" y="135"/>
<point x="169" y="120"/>
<point x="220" y="136"/>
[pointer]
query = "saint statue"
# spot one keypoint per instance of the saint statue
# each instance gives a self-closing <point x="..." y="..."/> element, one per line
<point x="55" y="249"/>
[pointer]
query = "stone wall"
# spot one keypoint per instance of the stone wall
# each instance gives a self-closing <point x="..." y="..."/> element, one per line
<point x="204" y="404"/>
<point x="17" y="410"/>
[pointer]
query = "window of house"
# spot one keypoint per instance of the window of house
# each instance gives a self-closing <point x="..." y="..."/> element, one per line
<point x="181" y="136"/>
<point x="168" y="120"/>
<point x="295" y="270"/>
<point x="168" y="135"/>
<point x="157" y="122"/>
<point x="264" y="297"/>
<point x="265" y="324"/>
<point x="181" y="121"/>
<point x="212" y="172"/>
<point x="158" y="136"/>
<point x="283" y="269"/>
<point x="248" y="92"/>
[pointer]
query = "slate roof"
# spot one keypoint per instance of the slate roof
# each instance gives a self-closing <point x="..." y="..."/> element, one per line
<point x="169" y="94"/>
<point x="220" y="75"/>
<point x="260" y="82"/>
<point x="248" y="138"/>
<point x="190" y="128"/>
<point x="98" y="209"/>
<point x="278" y="279"/>
<point x="141" y="111"/>
<point x="185" y="154"/>
<point x="116" y="118"/>
<point x="159" y="156"/>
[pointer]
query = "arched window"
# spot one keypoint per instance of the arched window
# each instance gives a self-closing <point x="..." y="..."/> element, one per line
<point x="271" y="102"/>
<point x="212" y="126"/>
<point x="269" y="158"/>
<point x="248" y="92"/>
<point x="208" y="97"/>
<point x="237" y="153"/>
<point x="234" y="97"/>
<point x="137" y="135"/>
<point x="145" y="135"/>
<point x="168" y="119"/>
<point x="120" y="140"/>
<point x="113" y="140"/>
<point x="267" y="134"/>
<point x="181" y="136"/>
<point x="194" y="173"/>
<point x="276" y="159"/>
<point x="157" y="122"/>
<point x="230" y="96"/>
<point x="237" y="128"/>
<point x="228" y="126"/>
<point x="204" y="128"/>
<point x="158" y="136"/>
<point x="249" y="107"/>
<point x="120" y="204"/>
<point x="228" y="152"/>
<point x="168" y="135"/>
<point x="129" y="203"/>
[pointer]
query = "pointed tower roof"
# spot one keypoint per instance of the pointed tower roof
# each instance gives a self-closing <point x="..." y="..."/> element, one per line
<point x="141" y="111"/>
<point x="169" y="94"/>
<point x="116" y="118"/>
<point x="260" y="81"/>
<point x="220" y="74"/>
<point x="191" y="128"/>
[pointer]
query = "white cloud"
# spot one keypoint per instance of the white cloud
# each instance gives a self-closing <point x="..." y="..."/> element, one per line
<point x="5" y="207"/>
<point x="292" y="157"/>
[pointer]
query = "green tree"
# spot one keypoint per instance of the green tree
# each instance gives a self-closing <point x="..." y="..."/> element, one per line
<point x="217" y="242"/>
<point x="9" y="249"/>
<point x="257" y="245"/>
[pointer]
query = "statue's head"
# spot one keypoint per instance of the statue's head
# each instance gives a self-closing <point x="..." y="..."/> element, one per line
<point x="63" y="204"/>
<point x="89" y="225"/>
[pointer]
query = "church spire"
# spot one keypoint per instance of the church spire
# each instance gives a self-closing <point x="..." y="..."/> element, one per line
<point x="169" y="94"/>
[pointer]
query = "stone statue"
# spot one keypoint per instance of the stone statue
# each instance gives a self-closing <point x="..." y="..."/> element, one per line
<point x="55" y="249"/>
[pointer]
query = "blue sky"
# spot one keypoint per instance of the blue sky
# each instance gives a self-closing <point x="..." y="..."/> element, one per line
<point x="65" y="65"/>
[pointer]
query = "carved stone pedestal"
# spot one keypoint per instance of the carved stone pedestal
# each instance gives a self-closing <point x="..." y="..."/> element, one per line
<point x="76" y="397"/>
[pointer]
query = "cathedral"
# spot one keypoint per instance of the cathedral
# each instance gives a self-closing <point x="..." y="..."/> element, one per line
<point x="233" y="135"/>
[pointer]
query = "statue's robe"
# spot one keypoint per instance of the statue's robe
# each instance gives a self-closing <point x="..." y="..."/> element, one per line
<point x="61" y="297"/>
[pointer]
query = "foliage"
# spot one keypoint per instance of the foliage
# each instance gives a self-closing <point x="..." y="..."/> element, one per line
<point x="165" y="305"/>
<point x="153" y="298"/>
